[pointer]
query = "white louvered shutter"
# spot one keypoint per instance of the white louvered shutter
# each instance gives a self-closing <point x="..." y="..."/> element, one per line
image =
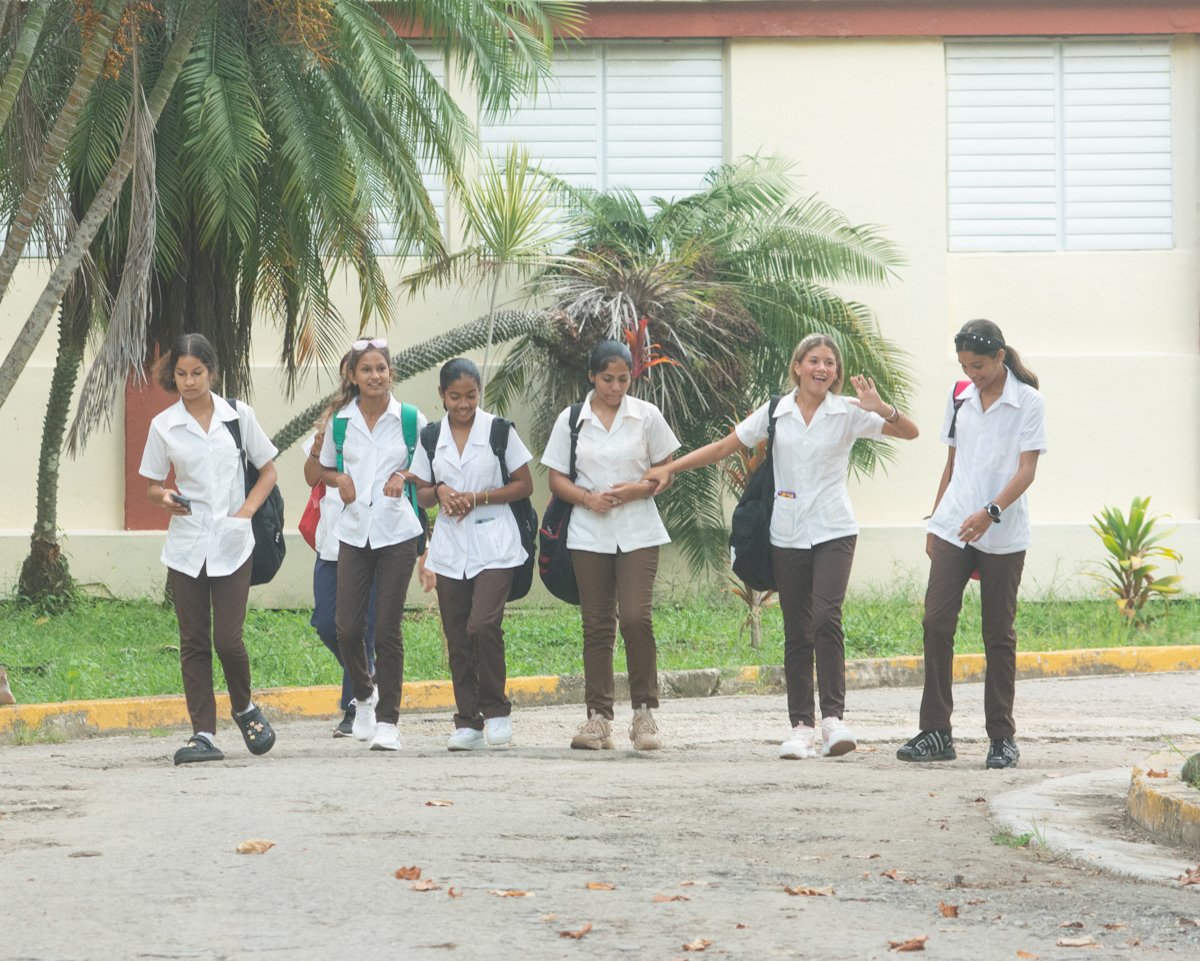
<point x="646" y="116"/>
<point x="1058" y="145"/>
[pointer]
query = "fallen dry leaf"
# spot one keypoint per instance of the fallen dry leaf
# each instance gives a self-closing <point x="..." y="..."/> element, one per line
<point x="435" y="803"/>
<point x="1186" y="922"/>
<point x="698" y="945"/>
<point x="587" y="926"/>
<point x="739" y="926"/>
<point x="1153" y="773"/>
<point x="981" y="800"/>
<point x="1029" y="955"/>
<point x="255" y="847"/>
<point x="426" y="885"/>
<point x="1084" y="942"/>
<point x="85" y="854"/>
<point x="1191" y="876"/>
<point x="454" y="893"/>
<point x="809" y="892"/>
<point x="601" y="886"/>
<point x="548" y="917"/>
<point x="664" y="898"/>
<point x="408" y="874"/>
<point x="975" y="902"/>
<point x="862" y="857"/>
<point x="1116" y="926"/>
<point x="1071" y="924"/>
<point x="948" y="910"/>
<point x="894" y="874"/>
<point x="912" y="944"/>
<point x="510" y="893"/>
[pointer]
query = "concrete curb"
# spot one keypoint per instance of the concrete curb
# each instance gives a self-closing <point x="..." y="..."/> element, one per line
<point x="79" y="718"/>
<point x="1165" y="806"/>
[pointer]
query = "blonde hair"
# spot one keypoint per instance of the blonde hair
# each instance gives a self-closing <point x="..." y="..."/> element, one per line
<point x="807" y="345"/>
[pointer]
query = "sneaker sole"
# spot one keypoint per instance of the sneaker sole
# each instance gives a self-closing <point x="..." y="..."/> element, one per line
<point x="988" y="765"/>
<point x="794" y="756"/>
<point x="385" y="747"/>
<point x="945" y="756"/>
<point x="657" y="746"/>
<point x="605" y="745"/>
<point x="461" y="748"/>
<point x="840" y="748"/>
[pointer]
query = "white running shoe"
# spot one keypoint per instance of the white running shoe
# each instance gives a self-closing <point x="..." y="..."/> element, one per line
<point x="363" y="727"/>
<point x="464" y="739"/>
<point x="497" y="731"/>
<point x="836" y="737"/>
<point x="386" y="738"/>
<point x="800" y="744"/>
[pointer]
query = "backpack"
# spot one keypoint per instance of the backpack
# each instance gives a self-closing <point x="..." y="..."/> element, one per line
<point x="522" y="510"/>
<point x="750" y="527"/>
<point x="267" y="522"/>
<point x="408" y="423"/>
<point x="959" y="400"/>
<point x="554" y="560"/>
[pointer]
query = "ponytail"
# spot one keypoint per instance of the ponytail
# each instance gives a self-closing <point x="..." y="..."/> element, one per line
<point x="986" y="339"/>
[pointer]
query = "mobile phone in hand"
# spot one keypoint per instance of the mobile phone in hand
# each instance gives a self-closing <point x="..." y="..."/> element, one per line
<point x="181" y="500"/>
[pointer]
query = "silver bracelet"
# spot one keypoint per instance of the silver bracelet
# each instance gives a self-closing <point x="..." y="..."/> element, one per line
<point x="895" y="415"/>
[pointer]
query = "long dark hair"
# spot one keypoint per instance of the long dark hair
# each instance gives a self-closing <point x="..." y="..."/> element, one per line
<point x="985" y="338"/>
<point x="605" y="352"/>
<point x="188" y="345"/>
<point x="348" y="389"/>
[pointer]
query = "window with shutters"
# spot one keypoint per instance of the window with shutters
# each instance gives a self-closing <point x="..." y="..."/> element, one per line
<point x="1059" y="145"/>
<point x="647" y="116"/>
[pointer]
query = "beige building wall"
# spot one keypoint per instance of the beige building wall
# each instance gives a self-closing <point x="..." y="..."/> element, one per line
<point x="1113" y="336"/>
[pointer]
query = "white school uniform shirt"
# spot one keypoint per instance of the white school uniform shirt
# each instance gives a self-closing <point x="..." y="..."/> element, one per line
<point x="812" y="500"/>
<point x="330" y="509"/>
<point x="370" y="458"/>
<point x="640" y="437"/>
<point x="208" y="471"/>
<point x="987" y="450"/>
<point x="488" y="537"/>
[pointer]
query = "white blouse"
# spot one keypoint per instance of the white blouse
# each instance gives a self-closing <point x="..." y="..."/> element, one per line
<point x="488" y="536"/>
<point x="208" y="471"/>
<point x="812" y="500"/>
<point x="987" y="451"/>
<point x="370" y="457"/>
<point x="640" y="437"/>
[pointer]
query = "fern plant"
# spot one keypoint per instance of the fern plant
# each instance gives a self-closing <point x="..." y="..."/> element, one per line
<point x="1133" y="544"/>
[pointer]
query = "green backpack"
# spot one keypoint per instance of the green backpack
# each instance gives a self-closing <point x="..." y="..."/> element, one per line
<point x="408" y="423"/>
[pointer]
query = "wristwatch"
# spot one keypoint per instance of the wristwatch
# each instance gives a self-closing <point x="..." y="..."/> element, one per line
<point x="993" y="512"/>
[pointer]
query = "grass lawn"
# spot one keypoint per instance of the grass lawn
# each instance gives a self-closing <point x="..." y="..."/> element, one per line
<point x="108" y="648"/>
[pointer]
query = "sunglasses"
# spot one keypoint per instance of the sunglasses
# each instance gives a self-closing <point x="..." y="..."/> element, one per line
<point x="373" y="342"/>
<point x="967" y="341"/>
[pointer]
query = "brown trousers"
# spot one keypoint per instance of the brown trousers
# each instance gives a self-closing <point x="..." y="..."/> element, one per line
<point x="999" y="577"/>
<point x="357" y="568"/>
<point x="211" y="612"/>
<point x="472" y="616"/>
<point x="812" y="586"/>
<point x="616" y="587"/>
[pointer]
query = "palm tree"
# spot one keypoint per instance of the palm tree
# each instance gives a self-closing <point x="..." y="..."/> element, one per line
<point x="711" y="292"/>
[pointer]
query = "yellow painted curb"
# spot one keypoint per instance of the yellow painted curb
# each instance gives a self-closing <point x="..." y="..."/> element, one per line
<point x="146" y="713"/>
<point x="1165" y="806"/>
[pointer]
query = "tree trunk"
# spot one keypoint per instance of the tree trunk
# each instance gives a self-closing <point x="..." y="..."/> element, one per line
<point x="31" y="30"/>
<point x="23" y="347"/>
<point x="45" y="577"/>
<point x="34" y="197"/>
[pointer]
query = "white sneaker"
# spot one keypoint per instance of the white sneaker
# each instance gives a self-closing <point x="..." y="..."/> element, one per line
<point x="363" y="728"/>
<point x="386" y="738"/>
<point x="801" y="743"/>
<point x="465" y="739"/>
<point x="497" y="731"/>
<point x="836" y="737"/>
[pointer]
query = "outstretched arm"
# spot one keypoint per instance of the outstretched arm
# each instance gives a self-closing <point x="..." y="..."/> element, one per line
<point x="718" y="450"/>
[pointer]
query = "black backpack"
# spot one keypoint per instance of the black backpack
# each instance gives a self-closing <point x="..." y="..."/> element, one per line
<point x="554" y="561"/>
<point x="267" y="522"/>
<point x="522" y="510"/>
<point x="750" y="528"/>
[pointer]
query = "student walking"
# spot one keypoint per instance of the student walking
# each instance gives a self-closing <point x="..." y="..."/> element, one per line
<point x="474" y="550"/>
<point x="614" y="540"/>
<point x="813" y="530"/>
<point x="995" y="430"/>
<point x="324" y="615"/>
<point x="209" y="541"/>
<point x="378" y="530"/>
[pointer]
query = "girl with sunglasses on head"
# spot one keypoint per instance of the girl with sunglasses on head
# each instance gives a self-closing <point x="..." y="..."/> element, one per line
<point x="995" y="429"/>
<point x="474" y="550"/>
<point x="614" y="539"/>
<point x="324" y="615"/>
<point x="813" y="530"/>
<point x="209" y="541"/>
<point x="378" y="530"/>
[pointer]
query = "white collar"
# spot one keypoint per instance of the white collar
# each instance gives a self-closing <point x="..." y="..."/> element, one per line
<point x="178" y="416"/>
<point x="629" y="408"/>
